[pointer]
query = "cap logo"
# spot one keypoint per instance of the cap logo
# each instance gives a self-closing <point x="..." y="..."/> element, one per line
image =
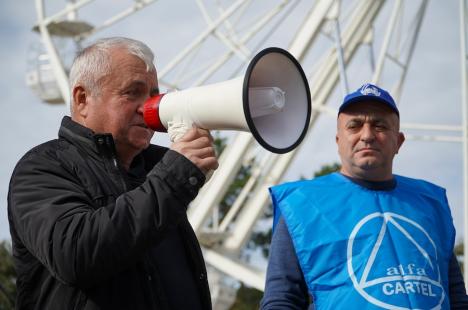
<point x="369" y="89"/>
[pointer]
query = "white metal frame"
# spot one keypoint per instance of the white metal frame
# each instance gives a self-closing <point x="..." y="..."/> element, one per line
<point x="225" y="238"/>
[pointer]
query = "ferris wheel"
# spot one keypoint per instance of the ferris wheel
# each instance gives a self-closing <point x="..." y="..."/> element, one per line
<point x="326" y="37"/>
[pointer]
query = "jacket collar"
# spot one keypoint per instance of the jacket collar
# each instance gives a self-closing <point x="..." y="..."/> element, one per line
<point x="96" y="145"/>
<point x="102" y="145"/>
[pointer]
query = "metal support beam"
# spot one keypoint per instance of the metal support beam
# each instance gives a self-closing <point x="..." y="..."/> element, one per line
<point x="232" y="156"/>
<point x="386" y="42"/>
<point x="335" y="13"/>
<point x="236" y="269"/>
<point x="362" y="19"/>
<point x="201" y="38"/>
<point x="213" y="192"/>
<point x="57" y="66"/>
<point x="411" y="35"/>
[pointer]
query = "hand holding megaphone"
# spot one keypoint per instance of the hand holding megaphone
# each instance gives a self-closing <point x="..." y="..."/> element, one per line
<point x="272" y="101"/>
<point x="177" y="129"/>
<point x="196" y="145"/>
<point x="183" y="134"/>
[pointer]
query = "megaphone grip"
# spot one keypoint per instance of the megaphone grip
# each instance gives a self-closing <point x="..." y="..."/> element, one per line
<point x="176" y="130"/>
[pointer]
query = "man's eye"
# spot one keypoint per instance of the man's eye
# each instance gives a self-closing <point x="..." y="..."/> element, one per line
<point x="380" y="127"/>
<point x="354" y="125"/>
<point x="132" y="93"/>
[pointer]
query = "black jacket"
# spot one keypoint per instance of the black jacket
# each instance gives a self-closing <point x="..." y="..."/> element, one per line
<point x="84" y="231"/>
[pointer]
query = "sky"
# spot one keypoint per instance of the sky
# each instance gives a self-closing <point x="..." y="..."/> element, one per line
<point x="431" y="92"/>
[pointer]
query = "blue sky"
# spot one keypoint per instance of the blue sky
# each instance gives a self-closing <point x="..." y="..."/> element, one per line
<point x="431" y="94"/>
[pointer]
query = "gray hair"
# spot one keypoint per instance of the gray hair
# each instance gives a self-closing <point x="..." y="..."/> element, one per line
<point x="93" y="62"/>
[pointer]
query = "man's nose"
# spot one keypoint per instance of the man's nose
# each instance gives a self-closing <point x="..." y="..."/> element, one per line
<point x="141" y="107"/>
<point x="367" y="133"/>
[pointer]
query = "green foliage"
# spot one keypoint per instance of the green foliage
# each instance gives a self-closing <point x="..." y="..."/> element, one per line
<point x="459" y="254"/>
<point x="324" y="170"/>
<point x="234" y="189"/>
<point x="7" y="277"/>
<point x="247" y="298"/>
<point x="239" y="181"/>
<point x="219" y="142"/>
<point x="261" y="240"/>
<point x="327" y="169"/>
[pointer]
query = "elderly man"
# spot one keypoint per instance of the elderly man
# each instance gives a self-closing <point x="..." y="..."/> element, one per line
<point x="98" y="216"/>
<point x="363" y="238"/>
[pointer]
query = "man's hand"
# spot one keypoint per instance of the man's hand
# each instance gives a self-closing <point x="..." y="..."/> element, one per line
<point x="197" y="146"/>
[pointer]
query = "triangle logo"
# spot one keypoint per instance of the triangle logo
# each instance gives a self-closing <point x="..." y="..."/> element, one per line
<point x="392" y="262"/>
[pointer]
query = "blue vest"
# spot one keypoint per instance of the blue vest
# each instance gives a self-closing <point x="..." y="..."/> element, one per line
<point x="368" y="249"/>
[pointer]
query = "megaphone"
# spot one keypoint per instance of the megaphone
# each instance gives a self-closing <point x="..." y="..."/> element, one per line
<point x="272" y="101"/>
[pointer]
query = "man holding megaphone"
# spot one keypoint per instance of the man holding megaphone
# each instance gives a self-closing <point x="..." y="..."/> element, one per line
<point x="98" y="216"/>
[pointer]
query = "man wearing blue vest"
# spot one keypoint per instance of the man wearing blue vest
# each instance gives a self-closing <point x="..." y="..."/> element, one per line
<point x="363" y="238"/>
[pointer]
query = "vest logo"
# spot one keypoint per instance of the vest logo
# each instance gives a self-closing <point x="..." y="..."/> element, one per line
<point x="392" y="262"/>
<point x="369" y="89"/>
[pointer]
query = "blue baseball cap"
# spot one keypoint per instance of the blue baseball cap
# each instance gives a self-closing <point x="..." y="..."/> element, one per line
<point x="369" y="92"/>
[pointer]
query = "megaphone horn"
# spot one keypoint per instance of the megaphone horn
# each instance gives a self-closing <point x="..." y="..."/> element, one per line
<point x="272" y="101"/>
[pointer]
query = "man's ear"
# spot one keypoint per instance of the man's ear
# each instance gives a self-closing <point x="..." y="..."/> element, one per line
<point x="401" y="139"/>
<point x="80" y="101"/>
<point x="337" y="134"/>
